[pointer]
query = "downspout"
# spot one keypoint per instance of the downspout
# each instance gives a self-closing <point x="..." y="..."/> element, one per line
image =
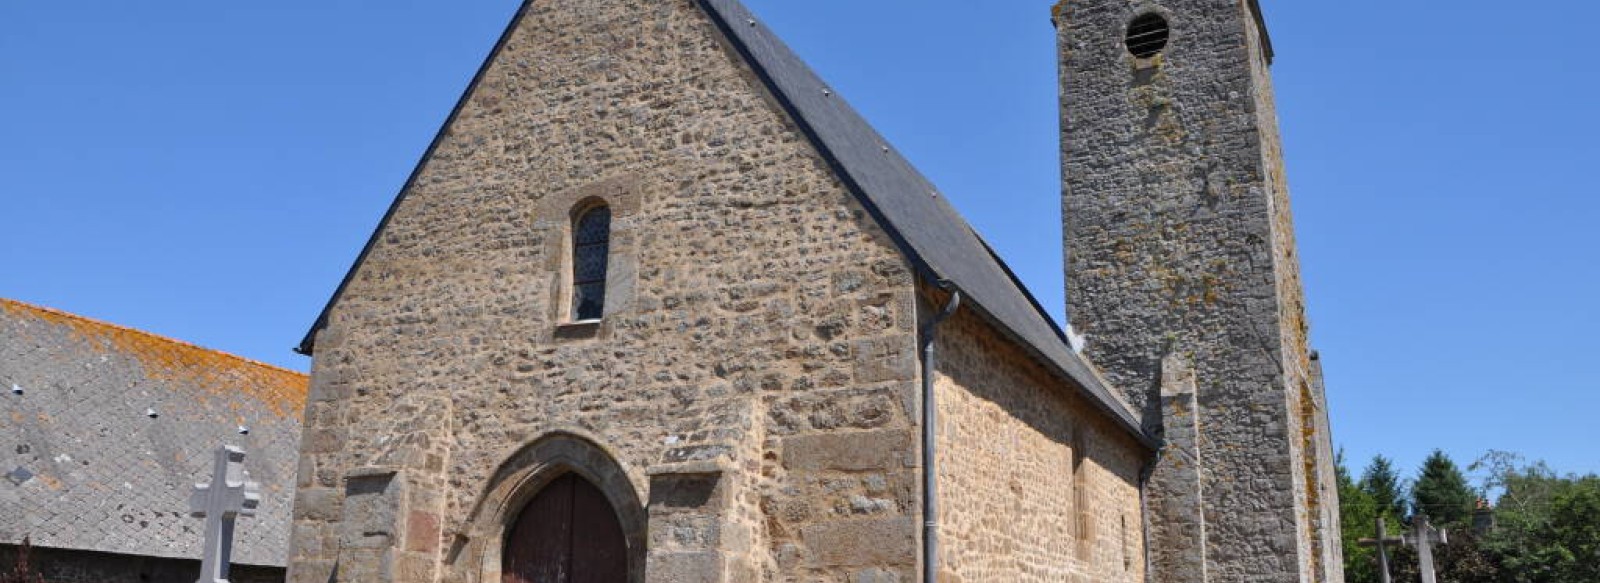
<point x="1145" y="474"/>
<point x="930" y="412"/>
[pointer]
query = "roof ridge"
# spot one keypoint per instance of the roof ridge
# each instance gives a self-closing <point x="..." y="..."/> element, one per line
<point x="6" y="303"/>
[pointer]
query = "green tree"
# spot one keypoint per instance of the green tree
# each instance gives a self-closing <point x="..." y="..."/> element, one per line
<point x="1547" y="525"/>
<point x="1441" y="492"/>
<point x="1357" y="514"/>
<point x="1381" y="482"/>
<point x="1377" y="493"/>
<point x="1464" y="560"/>
<point x="1575" y="527"/>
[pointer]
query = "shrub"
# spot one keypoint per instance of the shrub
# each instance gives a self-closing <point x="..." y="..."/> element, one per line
<point x="22" y="572"/>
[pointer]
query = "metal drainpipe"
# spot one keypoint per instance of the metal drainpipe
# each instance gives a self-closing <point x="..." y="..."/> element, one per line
<point x="930" y="475"/>
<point x="1145" y="474"/>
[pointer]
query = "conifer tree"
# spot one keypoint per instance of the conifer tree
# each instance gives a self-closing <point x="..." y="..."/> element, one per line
<point x="1357" y="520"/>
<point x="1381" y="482"/>
<point x="1442" y="493"/>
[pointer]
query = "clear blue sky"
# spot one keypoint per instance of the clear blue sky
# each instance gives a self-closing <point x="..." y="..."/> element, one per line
<point x="208" y="170"/>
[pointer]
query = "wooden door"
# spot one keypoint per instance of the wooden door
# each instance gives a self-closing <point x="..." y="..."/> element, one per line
<point x="568" y="533"/>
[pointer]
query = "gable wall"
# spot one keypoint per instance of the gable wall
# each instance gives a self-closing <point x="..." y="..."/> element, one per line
<point x="757" y="319"/>
<point x="1035" y="484"/>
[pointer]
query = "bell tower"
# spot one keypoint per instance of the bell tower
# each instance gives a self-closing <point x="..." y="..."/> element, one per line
<point x="1182" y="273"/>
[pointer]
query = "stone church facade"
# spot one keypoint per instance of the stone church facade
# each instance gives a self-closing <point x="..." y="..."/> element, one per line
<point x="658" y="305"/>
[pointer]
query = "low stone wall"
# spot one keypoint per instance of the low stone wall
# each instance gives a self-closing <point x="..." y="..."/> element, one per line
<point x="72" y="566"/>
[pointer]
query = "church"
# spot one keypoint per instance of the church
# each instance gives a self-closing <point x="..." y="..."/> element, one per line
<point x="657" y="305"/>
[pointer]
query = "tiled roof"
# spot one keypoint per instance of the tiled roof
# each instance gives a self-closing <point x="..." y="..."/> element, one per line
<point x="85" y="465"/>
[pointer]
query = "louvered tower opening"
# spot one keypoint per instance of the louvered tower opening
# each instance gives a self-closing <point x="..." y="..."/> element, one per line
<point x="1147" y="35"/>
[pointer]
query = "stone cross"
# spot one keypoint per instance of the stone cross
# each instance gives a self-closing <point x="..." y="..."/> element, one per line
<point x="229" y="495"/>
<point x="1382" y="542"/>
<point x="1424" y="536"/>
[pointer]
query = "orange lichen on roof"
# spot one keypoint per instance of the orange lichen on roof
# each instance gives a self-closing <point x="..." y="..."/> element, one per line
<point x="175" y="361"/>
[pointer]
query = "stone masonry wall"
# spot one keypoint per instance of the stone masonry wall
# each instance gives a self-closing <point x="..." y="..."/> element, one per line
<point x="758" y="324"/>
<point x="1034" y="484"/>
<point x="1180" y="242"/>
<point x="1316" y="498"/>
<point x="75" y="566"/>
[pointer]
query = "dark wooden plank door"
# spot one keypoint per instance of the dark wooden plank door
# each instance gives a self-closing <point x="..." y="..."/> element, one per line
<point x="568" y="533"/>
<point x="599" y="551"/>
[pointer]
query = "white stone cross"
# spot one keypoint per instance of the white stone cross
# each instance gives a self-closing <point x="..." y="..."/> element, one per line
<point x="229" y="495"/>
<point x="1424" y="536"/>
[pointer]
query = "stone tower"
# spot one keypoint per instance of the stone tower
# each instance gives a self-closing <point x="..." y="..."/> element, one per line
<point x="1182" y="272"/>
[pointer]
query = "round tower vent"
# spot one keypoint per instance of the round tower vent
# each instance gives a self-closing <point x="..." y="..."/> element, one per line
<point x="1147" y="35"/>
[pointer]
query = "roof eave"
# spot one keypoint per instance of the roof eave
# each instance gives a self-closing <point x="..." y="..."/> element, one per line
<point x="1089" y="384"/>
<point x="1266" y="36"/>
<point x="1076" y="372"/>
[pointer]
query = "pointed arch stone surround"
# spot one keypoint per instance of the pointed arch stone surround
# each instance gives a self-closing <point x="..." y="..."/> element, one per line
<point x="475" y="555"/>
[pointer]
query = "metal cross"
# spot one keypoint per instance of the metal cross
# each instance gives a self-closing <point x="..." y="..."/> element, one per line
<point x="1382" y="542"/>
<point x="229" y="495"/>
<point x="1424" y="536"/>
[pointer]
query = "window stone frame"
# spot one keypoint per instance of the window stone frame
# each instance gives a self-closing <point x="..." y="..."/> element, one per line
<point x="553" y="223"/>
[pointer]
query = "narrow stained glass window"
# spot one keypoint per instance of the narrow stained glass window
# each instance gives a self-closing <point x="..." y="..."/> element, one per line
<point x="591" y="243"/>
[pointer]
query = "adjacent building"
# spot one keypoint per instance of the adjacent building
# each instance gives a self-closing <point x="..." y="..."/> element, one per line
<point x="105" y="430"/>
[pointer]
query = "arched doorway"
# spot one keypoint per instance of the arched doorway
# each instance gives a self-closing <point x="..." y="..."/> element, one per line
<point x="568" y="533"/>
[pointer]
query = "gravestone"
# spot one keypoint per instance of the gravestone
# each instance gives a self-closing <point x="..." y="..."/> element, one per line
<point x="1383" y="541"/>
<point x="1423" y="536"/>
<point x="230" y="495"/>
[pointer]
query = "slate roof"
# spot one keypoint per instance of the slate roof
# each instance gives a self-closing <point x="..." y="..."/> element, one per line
<point x="82" y="465"/>
<point x="928" y="228"/>
<point x="906" y="204"/>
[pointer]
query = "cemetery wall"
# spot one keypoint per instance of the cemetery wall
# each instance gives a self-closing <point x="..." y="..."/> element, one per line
<point x="74" y="566"/>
